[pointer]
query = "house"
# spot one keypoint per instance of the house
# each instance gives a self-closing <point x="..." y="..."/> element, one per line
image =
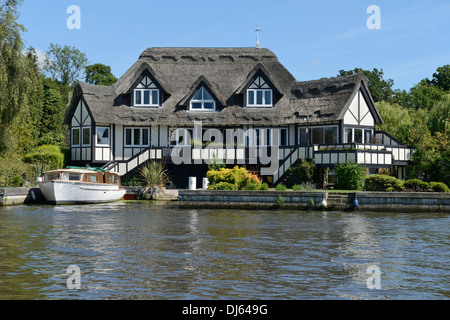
<point x="171" y="97"/>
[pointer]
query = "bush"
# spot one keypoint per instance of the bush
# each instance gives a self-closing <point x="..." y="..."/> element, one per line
<point x="47" y="157"/>
<point x="349" y="176"/>
<point x="13" y="172"/>
<point x="233" y="179"/>
<point x="281" y="187"/>
<point x="264" y="186"/>
<point x="417" y="185"/>
<point x="382" y="182"/>
<point x="304" y="186"/>
<point x="301" y="172"/>
<point x="439" y="187"/>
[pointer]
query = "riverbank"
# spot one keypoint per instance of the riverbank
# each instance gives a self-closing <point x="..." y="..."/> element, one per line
<point x="272" y="199"/>
<point x="321" y="200"/>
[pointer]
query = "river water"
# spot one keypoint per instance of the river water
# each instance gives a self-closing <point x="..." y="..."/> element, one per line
<point x="141" y="250"/>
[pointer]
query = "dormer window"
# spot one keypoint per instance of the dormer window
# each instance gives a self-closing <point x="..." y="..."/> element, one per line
<point x="259" y="94"/>
<point x="146" y="94"/>
<point x="202" y="101"/>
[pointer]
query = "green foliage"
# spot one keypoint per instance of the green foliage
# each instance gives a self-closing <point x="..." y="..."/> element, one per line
<point x="439" y="187"/>
<point x="233" y="179"/>
<point x="416" y="185"/>
<point x="304" y="171"/>
<point x="305" y="186"/>
<point x="47" y="157"/>
<point x="65" y="64"/>
<point x="12" y="168"/>
<point x="349" y="176"/>
<point x="216" y="163"/>
<point x="154" y="175"/>
<point x="264" y="186"/>
<point x="379" y="88"/>
<point x="99" y="74"/>
<point x="381" y="182"/>
<point x="280" y="200"/>
<point x="280" y="187"/>
<point x="223" y="186"/>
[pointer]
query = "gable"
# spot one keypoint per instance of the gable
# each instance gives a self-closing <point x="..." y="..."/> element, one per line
<point x="361" y="111"/>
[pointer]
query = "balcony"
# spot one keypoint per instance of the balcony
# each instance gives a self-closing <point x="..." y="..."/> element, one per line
<point x="364" y="154"/>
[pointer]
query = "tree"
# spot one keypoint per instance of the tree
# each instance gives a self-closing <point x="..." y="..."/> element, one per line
<point x="65" y="64"/>
<point x="441" y="78"/>
<point x="16" y="76"/>
<point x="99" y="74"/>
<point x="379" y="88"/>
<point x="397" y="120"/>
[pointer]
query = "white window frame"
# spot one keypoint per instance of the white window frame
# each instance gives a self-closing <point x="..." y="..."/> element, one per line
<point x="132" y="145"/>
<point x="142" y="104"/>
<point x="255" y="93"/>
<point x="203" y="101"/>
<point x="311" y="135"/>
<point x="79" y="136"/>
<point x="109" y="136"/>
<point x="82" y="136"/>
<point x="353" y="134"/>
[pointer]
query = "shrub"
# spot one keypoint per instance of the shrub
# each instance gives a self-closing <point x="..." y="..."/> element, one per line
<point x="439" y="187"/>
<point x="382" y="182"/>
<point x="304" y="186"/>
<point x="13" y="171"/>
<point x="349" y="176"/>
<point x="416" y="185"/>
<point x="301" y="172"/>
<point x="281" y="187"/>
<point x="264" y="186"/>
<point x="235" y="179"/>
<point x="47" y="157"/>
<point x="223" y="186"/>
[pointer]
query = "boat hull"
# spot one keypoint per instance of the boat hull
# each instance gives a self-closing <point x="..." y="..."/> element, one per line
<point x="65" y="192"/>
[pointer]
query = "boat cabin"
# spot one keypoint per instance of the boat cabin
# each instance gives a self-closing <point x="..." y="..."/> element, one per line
<point x="82" y="175"/>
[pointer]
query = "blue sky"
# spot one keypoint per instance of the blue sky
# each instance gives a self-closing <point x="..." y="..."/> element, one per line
<point x="313" y="39"/>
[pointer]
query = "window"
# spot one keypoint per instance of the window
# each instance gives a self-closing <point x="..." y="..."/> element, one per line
<point x="303" y="136"/>
<point x="91" y="178"/>
<point x="202" y="101"/>
<point x="357" y="135"/>
<point x="70" y="176"/>
<point x="75" y="137"/>
<point x="264" y="137"/>
<point x="259" y="94"/>
<point x="137" y="137"/>
<point x="102" y="134"/>
<point x="182" y="137"/>
<point x="146" y="94"/>
<point x="324" y="135"/>
<point x="86" y="139"/>
<point x="51" y="176"/>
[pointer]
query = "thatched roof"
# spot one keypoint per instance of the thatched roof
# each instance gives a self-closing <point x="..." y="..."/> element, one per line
<point x="226" y="72"/>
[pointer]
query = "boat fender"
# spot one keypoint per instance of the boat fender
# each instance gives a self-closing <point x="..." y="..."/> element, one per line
<point x="356" y="203"/>
<point x="33" y="195"/>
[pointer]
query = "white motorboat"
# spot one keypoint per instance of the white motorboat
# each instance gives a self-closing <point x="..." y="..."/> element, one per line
<point x="81" y="185"/>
